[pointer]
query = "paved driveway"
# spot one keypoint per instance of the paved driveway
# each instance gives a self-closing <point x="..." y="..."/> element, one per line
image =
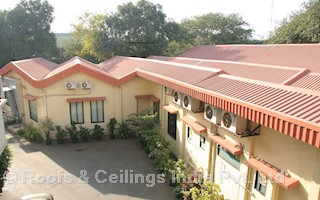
<point x="114" y="169"/>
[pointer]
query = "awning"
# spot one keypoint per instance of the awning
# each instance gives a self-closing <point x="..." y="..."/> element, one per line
<point x="194" y="125"/>
<point x="5" y="89"/>
<point x="150" y="97"/>
<point x="235" y="150"/>
<point x="73" y="100"/>
<point x="29" y="97"/>
<point x="275" y="175"/>
<point x="171" y="109"/>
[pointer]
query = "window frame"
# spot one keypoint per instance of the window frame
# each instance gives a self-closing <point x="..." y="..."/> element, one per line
<point x="91" y="114"/>
<point x="261" y="188"/>
<point x="189" y="133"/>
<point x="227" y="155"/>
<point x="34" y="118"/>
<point x="173" y="134"/>
<point x="70" y="108"/>
<point x="202" y="145"/>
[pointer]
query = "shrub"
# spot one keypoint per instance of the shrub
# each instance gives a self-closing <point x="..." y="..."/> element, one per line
<point x="21" y="131"/>
<point x="46" y="126"/>
<point x="111" y="127"/>
<point x="5" y="159"/>
<point x="84" y="134"/>
<point x="123" y="130"/>
<point x="31" y="133"/>
<point x="97" y="132"/>
<point x="60" y="134"/>
<point x="72" y="131"/>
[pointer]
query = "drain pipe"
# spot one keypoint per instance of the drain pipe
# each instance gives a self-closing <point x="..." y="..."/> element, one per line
<point x="45" y="101"/>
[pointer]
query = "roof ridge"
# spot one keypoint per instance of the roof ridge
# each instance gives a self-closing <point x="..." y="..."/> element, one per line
<point x="240" y="63"/>
<point x="273" y="85"/>
<point x="210" y="69"/>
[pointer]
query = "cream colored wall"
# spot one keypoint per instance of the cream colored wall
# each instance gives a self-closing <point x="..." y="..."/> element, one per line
<point x="58" y="108"/>
<point x="300" y="160"/>
<point x="138" y="86"/>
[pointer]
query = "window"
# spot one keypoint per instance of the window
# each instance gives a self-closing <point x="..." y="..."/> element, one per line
<point x="97" y="111"/>
<point x="260" y="183"/>
<point x="33" y="110"/>
<point x="172" y="125"/>
<point x="76" y="112"/>
<point x="189" y="133"/>
<point x="229" y="157"/>
<point x="202" y="142"/>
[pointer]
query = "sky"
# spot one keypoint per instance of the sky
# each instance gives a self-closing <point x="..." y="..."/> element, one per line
<point x="262" y="15"/>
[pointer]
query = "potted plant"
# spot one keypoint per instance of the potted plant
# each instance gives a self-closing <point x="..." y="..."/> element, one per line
<point x="31" y="133"/>
<point x="84" y="134"/>
<point x="60" y="134"/>
<point x="111" y="126"/>
<point x="46" y="126"/>
<point x="97" y="132"/>
<point x="72" y="131"/>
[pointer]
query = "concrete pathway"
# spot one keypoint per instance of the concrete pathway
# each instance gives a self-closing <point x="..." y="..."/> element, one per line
<point x="113" y="169"/>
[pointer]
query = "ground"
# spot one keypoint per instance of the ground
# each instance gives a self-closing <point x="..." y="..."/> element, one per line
<point x="37" y="168"/>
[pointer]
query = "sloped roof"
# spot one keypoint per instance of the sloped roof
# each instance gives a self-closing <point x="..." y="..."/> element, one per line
<point x="290" y="55"/>
<point x="267" y="73"/>
<point x="36" y="68"/>
<point x="310" y="81"/>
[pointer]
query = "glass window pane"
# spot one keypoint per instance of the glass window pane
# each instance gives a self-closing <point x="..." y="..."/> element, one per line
<point x="100" y="111"/>
<point x="33" y="110"/>
<point x="73" y="110"/>
<point x="94" y="111"/>
<point x="229" y="157"/>
<point x="80" y="112"/>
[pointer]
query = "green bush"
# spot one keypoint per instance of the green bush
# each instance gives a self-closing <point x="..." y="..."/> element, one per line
<point x="45" y="127"/>
<point x="60" y="134"/>
<point x="73" y="133"/>
<point x="5" y="159"/>
<point x="21" y="132"/>
<point x="111" y="127"/>
<point x="84" y="133"/>
<point x="123" y="130"/>
<point x="97" y="132"/>
<point x="31" y="133"/>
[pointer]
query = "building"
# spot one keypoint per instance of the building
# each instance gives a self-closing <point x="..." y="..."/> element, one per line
<point x="247" y="115"/>
<point x="3" y="141"/>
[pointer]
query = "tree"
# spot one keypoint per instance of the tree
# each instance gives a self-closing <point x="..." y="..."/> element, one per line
<point x="26" y="31"/>
<point x="216" y="28"/>
<point x="140" y="29"/>
<point x="85" y="40"/>
<point x="301" y="27"/>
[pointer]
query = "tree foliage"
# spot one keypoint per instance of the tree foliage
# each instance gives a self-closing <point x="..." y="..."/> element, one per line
<point x="216" y="28"/>
<point x="5" y="161"/>
<point x="25" y="31"/>
<point x="143" y="29"/>
<point x="301" y="27"/>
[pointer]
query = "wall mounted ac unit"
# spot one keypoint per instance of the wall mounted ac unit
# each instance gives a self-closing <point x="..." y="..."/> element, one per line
<point x="70" y="85"/>
<point x="86" y="85"/>
<point x="177" y="98"/>
<point x="192" y="104"/>
<point x="233" y="123"/>
<point x="212" y="114"/>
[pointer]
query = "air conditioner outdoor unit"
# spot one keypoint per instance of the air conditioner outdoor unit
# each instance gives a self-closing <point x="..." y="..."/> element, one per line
<point x="192" y="104"/>
<point x="233" y="123"/>
<point x="86" y="85"/>
<point x="70" y="85"/>
<point x="177" y="98"/>
<point x="212" y="114"/>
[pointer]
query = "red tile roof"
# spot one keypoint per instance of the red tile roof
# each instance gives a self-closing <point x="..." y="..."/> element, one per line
<point x="310" y="81"/>
<point x="36" y="68"/>
<point x="268" y="73"/>
<point x="291" y="55"/>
